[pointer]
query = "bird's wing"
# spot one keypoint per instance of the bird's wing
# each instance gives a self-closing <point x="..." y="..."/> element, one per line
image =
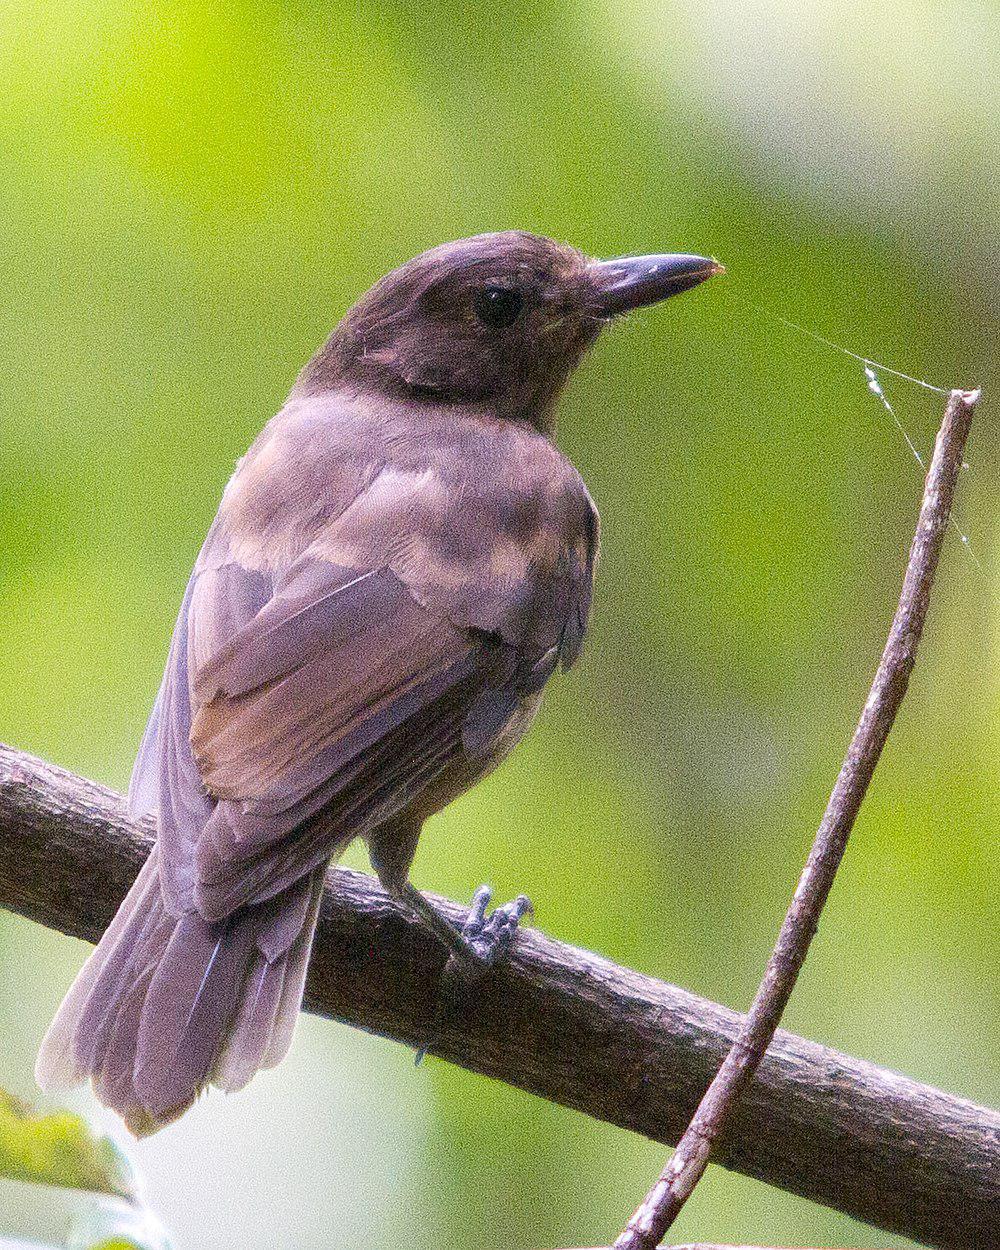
<point x="400" y="639"/>
<point x="324" y="716"/>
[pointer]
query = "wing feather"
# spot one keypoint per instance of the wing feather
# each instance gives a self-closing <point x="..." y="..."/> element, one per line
<point x="330" y="662"/>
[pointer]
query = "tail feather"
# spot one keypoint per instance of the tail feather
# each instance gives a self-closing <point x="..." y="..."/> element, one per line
<point x="165" y="1005"/>
<point x="139" y="947"/>
<point x="114" y="1084"/>
<point x="263" y="1029"/>
<point x="252" y="1028"/>
<point x="192" y="997"/>
<point x="295" y="980"/>
<point x="60" y="1064"/>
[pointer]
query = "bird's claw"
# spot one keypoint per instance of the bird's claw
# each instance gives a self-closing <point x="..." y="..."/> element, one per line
<point x="489" y="938"/>
<point x="486" y="939"/>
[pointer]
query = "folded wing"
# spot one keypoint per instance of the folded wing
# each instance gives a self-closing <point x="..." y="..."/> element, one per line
<point x="305" y="706"/>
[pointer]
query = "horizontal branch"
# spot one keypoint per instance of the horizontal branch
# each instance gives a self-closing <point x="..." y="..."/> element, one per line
<point x="564" y="1024"/>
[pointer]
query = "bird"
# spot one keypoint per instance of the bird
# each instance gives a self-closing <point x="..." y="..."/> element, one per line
<point x="398" y="565"/>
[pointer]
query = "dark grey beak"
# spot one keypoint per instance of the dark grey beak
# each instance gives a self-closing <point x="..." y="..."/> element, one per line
<point x="634" y="281"/>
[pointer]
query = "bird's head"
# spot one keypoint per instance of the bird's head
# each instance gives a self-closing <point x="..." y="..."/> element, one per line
<point x="498" y="321"/>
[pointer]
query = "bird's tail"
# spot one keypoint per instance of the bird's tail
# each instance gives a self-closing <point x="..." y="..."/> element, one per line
<point x="166" y="1005"/>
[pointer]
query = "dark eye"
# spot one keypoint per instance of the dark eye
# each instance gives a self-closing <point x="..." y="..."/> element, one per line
<point x="498" y="306"/>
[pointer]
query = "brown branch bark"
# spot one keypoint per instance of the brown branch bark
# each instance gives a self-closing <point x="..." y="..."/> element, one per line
<point x="661" y="1206"/>
<point x="562" y="1023"/>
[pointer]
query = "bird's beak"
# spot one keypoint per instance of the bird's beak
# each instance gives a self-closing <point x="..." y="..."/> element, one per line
<point x="634" y="281"/>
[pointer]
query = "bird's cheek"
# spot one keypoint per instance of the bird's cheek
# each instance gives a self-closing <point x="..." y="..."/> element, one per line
<point x="456" y="367"/>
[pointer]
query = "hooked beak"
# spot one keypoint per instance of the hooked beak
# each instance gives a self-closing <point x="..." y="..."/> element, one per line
<point x="635" y="281"/>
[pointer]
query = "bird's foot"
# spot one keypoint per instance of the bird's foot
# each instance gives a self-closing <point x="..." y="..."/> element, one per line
<point x="487" y="938"/>
<point x="483" y="941"/>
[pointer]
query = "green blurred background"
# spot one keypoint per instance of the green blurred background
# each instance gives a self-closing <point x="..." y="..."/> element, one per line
<point x="192" y="195"/>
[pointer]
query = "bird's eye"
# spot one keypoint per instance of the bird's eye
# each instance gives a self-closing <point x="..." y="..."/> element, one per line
<point x="498" y="306"/>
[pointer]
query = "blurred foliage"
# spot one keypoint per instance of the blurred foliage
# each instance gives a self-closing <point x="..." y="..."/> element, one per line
<point x="107" y="1226"/>
<point x="59" y="1149"/>
<point x="114" y="1226"/>
<point x="194" y="192"/>
<point x="62" y="1149"/>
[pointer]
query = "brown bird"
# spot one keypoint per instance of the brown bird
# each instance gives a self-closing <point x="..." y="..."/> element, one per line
<point x="398" y="565"/>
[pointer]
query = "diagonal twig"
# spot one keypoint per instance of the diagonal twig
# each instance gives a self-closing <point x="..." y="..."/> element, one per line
<point x="659" y="1209"/>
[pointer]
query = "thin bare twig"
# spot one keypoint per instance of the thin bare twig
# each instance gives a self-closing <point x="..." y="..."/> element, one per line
<point x="685" y="1168"/>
